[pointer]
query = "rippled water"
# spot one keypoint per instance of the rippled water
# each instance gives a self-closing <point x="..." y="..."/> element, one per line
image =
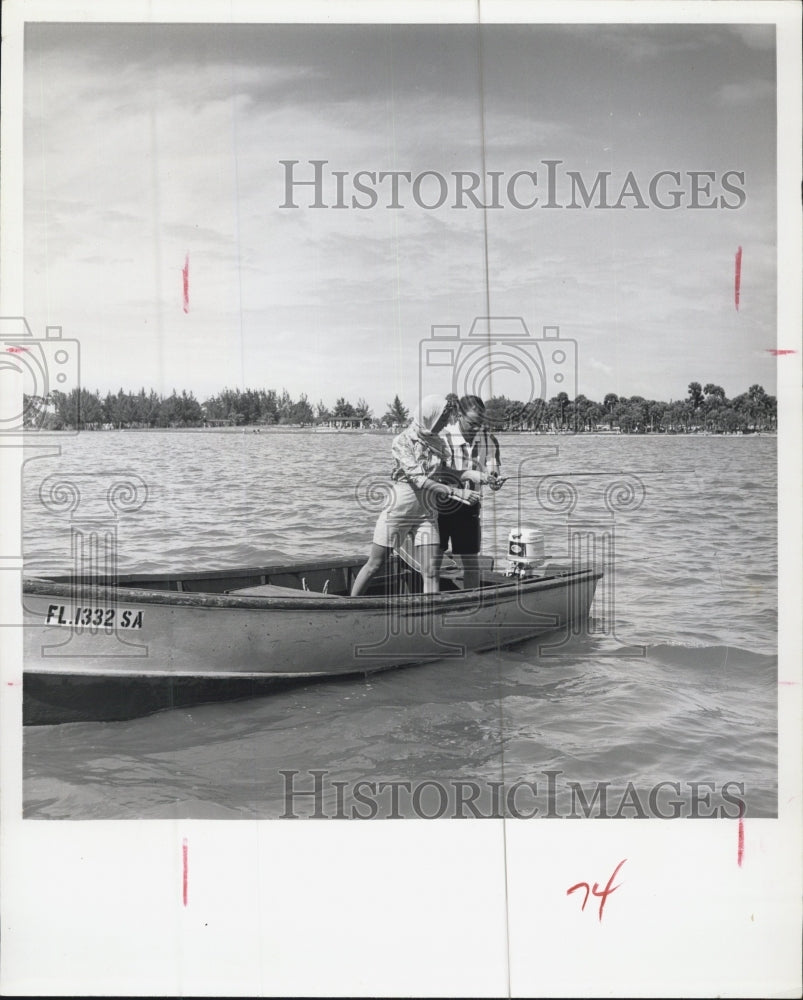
<point x="694" y="586"/>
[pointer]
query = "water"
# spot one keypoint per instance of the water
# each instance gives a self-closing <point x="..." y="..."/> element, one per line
<point x="695" y="575"/>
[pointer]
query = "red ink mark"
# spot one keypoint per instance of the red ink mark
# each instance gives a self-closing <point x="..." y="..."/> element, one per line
<point x="788" y="683"/>
<point x="602" y="896"/>
<point x="184" y="872"/>
<point x="185" y="277"/>
<point x="778" y="353"/>
<point x="16" y="350"/>
<point x="740" y="836"/>
<point x="737" y="281"/>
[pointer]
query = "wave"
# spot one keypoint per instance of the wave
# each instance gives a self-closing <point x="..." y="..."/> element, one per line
<point x="712" y="656"/>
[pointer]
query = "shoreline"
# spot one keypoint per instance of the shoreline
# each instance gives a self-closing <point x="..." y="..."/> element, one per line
<point x="384" y="431"/>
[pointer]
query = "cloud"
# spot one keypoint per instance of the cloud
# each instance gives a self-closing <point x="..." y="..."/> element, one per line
<point x="600" y="366"/>
<point x="144" y="145"/>
<point x="756" y="36"/>
<point x="746" y="92"/>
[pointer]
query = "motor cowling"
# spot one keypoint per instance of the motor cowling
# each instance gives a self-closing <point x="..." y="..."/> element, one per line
<point x="525" y="550"/>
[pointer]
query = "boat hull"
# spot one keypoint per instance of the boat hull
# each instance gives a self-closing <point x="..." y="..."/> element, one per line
<point x="135" y="633"/>
<point x="250" y="640"/>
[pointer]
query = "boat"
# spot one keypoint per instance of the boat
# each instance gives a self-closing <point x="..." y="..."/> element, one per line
<point x="119" y="647"/>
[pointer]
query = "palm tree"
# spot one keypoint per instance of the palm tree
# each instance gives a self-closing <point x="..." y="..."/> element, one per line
<point x="695" y="394"/>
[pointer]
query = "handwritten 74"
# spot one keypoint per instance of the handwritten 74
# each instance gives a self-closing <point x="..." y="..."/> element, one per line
<point x="603" y="894"/>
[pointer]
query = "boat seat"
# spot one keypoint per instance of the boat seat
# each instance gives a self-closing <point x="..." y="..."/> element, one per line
<point x="272" y="590"/>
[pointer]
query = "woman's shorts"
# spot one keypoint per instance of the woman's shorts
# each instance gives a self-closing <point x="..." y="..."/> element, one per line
<point x="407" y="515"/>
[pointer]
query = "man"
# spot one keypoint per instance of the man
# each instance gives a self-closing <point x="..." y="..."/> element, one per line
<point x="473" y="457"/>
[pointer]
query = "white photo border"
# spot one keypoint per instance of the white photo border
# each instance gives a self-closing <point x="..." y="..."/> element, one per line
<point x="413" y="908"/>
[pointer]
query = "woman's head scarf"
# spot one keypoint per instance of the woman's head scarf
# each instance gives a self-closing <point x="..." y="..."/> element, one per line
<point x="426" y="415"/>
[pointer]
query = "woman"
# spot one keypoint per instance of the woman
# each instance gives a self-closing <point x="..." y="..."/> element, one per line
<point x="418" y="453"/>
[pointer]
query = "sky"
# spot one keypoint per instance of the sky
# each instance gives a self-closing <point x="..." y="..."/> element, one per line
<point x="152" y="147"/>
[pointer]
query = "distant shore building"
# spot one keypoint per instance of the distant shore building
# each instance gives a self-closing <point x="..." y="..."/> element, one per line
<point x="346" y="423"/>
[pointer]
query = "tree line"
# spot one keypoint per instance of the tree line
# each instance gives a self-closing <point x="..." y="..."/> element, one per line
<point x="705" y="408"/>
<point x="82" y="409"/>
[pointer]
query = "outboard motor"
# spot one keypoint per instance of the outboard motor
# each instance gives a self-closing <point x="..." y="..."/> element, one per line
<point x="525" y="549"/>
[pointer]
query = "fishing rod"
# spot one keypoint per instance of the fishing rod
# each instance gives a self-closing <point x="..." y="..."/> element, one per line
<point x="497" y="483"/>
<point x="469" y="496"/>
<point x="613" y="472"/>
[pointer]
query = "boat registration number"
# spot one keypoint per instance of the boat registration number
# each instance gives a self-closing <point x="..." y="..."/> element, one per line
<point x="60" y="614"/>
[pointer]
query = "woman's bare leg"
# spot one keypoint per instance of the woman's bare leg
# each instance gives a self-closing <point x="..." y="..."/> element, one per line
<point x="376" y="560"/>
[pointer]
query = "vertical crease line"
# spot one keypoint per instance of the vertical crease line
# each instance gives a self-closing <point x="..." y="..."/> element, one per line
<point x="481" y="83"/>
